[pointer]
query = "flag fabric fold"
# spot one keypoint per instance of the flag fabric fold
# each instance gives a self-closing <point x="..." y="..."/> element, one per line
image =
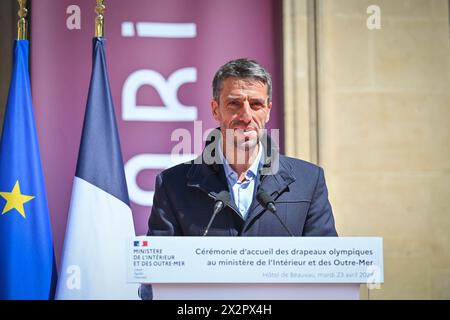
<point x="27" y="265"/>
<point x="100" y="222"/>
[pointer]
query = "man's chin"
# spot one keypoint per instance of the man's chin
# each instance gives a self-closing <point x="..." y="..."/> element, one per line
<point x="245" y="135"/>
<point x="247" y="144"/>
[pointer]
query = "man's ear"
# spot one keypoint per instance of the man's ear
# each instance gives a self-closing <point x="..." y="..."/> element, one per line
<point x="269" y="107"/>
<point x="215" y="110"/>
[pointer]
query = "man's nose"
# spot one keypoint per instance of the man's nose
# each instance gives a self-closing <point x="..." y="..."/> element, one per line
<point x="245" y="113"/>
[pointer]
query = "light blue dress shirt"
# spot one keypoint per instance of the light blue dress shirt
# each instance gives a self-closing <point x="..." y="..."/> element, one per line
<point x="242" y="192"/>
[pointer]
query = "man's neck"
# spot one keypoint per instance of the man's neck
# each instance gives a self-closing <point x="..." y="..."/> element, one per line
<point x="240" y="160"/>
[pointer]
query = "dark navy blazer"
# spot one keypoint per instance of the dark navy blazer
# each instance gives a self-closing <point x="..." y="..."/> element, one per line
<point x="184" y="200"/>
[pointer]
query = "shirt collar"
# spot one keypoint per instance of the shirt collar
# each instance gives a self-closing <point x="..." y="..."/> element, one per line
<point x="251" y="172"/>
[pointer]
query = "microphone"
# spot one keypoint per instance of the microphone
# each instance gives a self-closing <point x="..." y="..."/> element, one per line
<point x="222" y="200"/>
<point x="268" y="203"/>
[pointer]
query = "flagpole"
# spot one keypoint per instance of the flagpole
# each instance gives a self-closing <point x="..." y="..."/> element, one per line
<point x="99" y="21"/>
<point x="22" y="22"/>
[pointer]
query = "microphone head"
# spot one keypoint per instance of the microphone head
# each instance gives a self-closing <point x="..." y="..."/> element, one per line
<point x="266" y="201"/>
<point x="222" y="199"/>
<point x="263" y="198"/>
<point x="223" y="196"/>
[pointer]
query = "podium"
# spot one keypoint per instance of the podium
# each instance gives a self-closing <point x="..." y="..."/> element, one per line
<point x="255" y="268"/>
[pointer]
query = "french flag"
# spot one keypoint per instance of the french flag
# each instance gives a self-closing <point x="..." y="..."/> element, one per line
<point x="100" y="222"/>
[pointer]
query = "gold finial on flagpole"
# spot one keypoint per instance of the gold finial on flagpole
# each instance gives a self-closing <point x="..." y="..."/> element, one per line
<point x="99" y="21"/>
<point x="22" y="22"/>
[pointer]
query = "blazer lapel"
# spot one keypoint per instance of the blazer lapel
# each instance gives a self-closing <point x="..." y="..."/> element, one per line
<point x="211" y="180"/>
<point x="274" y="185"/>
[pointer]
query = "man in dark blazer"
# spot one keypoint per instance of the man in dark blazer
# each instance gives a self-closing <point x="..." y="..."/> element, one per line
<point x="242" y="160"/>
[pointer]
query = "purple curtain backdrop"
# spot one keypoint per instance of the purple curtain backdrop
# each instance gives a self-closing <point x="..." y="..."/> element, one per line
<point x="61" y="66"/>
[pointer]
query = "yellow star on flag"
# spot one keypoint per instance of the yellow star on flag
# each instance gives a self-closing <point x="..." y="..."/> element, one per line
<point x="15" y="200"/>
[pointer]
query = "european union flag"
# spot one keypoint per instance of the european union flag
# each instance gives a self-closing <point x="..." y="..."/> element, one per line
<point x="27" y="269"/>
